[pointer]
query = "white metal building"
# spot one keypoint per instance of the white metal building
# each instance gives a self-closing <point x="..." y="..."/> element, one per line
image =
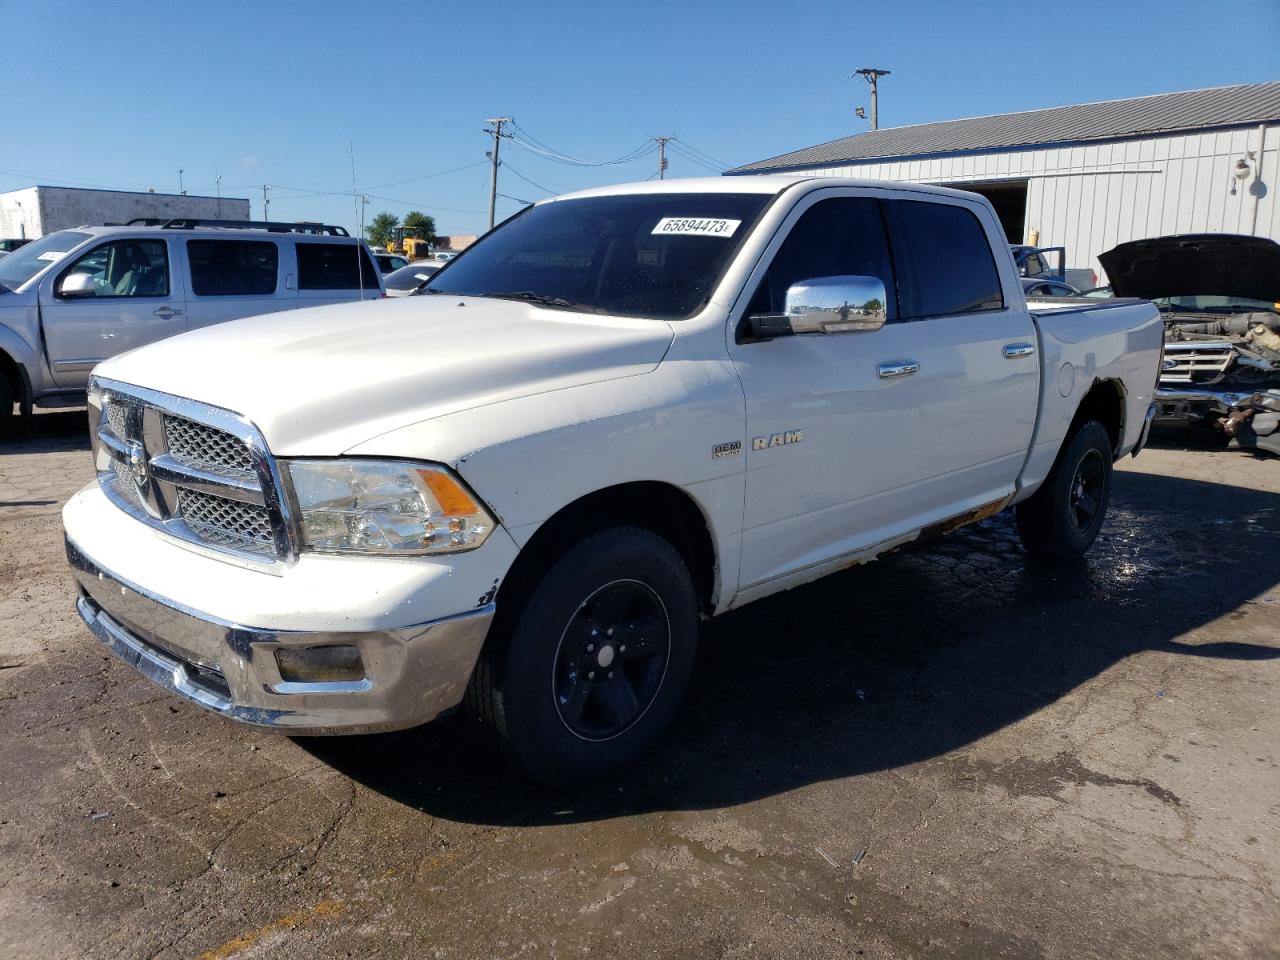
<point x="34" y="211"/>
<point x="1089" y="176"/>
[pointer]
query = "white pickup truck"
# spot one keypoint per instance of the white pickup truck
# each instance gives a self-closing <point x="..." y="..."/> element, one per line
<point x="623" y="410"/>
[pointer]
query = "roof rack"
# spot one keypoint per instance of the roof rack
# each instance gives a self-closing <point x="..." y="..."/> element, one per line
<point x="190" y="223"/>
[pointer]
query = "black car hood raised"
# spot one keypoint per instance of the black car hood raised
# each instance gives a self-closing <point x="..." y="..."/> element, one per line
<point x="1190" y="264"/>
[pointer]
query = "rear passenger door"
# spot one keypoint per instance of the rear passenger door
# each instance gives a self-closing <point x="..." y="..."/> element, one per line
<point x="976" y="347"/>
<point x="233" y="278"/>
<point x="334" y="272"/>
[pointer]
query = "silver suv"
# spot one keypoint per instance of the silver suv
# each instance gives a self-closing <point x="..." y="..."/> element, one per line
<point x="75" y="297"/>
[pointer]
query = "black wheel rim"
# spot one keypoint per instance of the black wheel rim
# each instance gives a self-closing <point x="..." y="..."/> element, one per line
<point x="611" y="660"/>
<point x="1087" y="487"/>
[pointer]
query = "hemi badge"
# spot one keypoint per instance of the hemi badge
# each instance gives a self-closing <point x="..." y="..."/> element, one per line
<point x="721" y="450"/>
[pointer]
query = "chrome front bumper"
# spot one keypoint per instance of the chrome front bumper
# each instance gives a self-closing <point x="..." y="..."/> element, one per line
<point x="410" y="674"/>
<point x="1198" y="404"/>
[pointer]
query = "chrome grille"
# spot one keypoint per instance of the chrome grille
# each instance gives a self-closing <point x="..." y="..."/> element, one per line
<point x="125" y="484"/>
<point x="204" y="446"/>
<point x="230" y="523"/>
<point x="198" y="473"/>
<point x="1196" y="362"/>
<point x="117" y="417"/>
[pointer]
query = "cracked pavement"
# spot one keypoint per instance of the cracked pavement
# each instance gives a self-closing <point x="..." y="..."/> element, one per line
<point x="1032" y="761"/>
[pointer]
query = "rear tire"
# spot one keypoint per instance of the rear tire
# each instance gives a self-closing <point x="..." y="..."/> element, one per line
<point x="1063" y="517"/>
<point x="594" y="663"/>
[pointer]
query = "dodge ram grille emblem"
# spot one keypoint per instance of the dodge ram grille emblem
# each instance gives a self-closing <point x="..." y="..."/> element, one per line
<point x="777" y="440"/>
<point x="138" y="462"/>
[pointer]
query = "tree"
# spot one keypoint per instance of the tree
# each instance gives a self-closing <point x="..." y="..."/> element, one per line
<point x="420" y="225"/>
<point x="381" y="230"/>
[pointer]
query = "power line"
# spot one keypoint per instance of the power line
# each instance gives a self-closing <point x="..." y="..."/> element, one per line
<point x="693" y="158"/>
<point x="531" y="143"/>
<point x="529" y="180"/>
<point x="702" y="153"/>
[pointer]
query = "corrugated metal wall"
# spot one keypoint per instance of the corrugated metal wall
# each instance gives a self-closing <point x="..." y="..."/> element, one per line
<point x="1090" y="198"/>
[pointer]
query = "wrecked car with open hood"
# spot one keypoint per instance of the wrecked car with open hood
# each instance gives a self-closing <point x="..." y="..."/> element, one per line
<point x="1219" y="295"/>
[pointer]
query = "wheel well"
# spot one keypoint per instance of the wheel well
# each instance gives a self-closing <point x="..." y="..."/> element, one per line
<point x="660" y="507"/>
<point x="1105" y="403"/>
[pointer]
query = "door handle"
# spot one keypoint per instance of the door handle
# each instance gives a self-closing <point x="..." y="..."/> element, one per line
<point x="902" y="368"/>
<point x="1012" y="351"/>
<point x="164" y="313"/>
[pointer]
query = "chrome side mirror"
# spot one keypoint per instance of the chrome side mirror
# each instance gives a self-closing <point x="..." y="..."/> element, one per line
<point x="845" y="304"/>
<point x="78" y="285"/>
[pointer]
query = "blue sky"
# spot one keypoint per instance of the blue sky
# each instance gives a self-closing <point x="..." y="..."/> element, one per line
<point x="124" y="94"/>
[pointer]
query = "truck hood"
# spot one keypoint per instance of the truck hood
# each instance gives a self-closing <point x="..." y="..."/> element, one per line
<point x="318" y="381"/>
<point x="1205" y="264"/>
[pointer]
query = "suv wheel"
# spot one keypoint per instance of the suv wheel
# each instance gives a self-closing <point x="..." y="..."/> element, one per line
<point x="596" y="661"/>
<point x="1063" y="517"/>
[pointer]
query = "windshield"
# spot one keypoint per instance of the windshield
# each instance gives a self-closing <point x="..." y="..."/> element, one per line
<point x="1207" y="303"/>
<point x="25" y="262"/>
<point x="406" y="278"/>
<point x="655" y="255"/>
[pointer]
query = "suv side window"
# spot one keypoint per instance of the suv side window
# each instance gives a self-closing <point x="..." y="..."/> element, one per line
<point x="332" y="266"/>
<point x="230" y="268"/>
<point x="126" y="268"/>
<point x="943" y="260"/>
<point x="843" y="236"/>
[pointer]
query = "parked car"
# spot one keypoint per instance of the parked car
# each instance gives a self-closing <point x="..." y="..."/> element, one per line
<point x="623" y="411"/>
<point x="12" y="244"/>
<point x="1048" y="288"/>
<point x="390" y="262"/>
<point x="1219" y="295"/>
<point x="407" y="280"/>
<point x="444" y="256"/>
<point x="76" y="297"/>
<point x="1040" y="263"/>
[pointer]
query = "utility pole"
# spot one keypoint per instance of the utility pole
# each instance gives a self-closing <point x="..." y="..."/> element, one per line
<point x="662" y="155"/>
<point x="181" y="190"/>
<point x="493" y="157"/>
<point x="871" y="75"/>
<point x="217" y="179"/>
<point x="266" y="204"/>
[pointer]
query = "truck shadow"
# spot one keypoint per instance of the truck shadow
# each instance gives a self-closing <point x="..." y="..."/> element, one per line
<point x="47" y="431"/>
<point x="890" y="664"/>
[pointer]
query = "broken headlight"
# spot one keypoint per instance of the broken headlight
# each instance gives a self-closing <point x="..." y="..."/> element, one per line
<point x="384" y="507"/>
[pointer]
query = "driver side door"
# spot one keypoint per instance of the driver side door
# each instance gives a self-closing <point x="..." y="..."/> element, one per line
<point x="135" y="298"/>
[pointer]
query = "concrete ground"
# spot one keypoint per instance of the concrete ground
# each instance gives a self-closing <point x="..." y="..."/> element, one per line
<point x="951" y="752"/>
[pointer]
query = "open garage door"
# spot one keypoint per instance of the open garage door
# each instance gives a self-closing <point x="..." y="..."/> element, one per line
<point x="1009" y="197"/>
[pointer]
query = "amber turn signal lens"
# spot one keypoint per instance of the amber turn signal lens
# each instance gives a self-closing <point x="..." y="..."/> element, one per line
<point x="452" y="498"/>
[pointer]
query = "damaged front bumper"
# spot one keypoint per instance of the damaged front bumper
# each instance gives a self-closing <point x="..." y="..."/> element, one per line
<point x="406" y="676"/>
<point x="1250" y="419"/>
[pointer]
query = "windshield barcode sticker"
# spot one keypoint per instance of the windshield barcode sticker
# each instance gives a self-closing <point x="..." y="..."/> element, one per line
<point x="695" y="227"/>
<point x="52" y="256"/>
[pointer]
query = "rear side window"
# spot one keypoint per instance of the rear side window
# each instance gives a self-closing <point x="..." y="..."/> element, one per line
<point x="233" y="268"/>
<point x="332" y="266"/>
<point x="943" y="260"/>
<point x="843" y="236"/>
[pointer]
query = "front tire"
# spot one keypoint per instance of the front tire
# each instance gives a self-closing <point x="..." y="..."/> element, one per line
<point x="1063" y="517"/>
<point x="595" y="662"/>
